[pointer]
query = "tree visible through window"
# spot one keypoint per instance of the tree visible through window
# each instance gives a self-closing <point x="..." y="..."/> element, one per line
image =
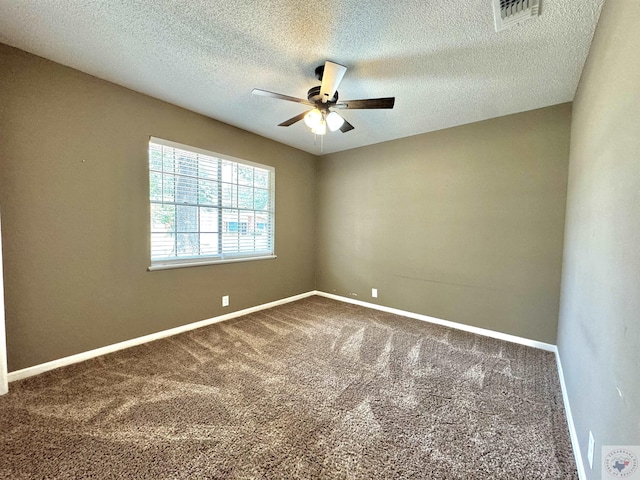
<point x="207" y="207"/>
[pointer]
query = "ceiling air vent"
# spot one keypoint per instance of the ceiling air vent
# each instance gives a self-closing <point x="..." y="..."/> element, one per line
<point x="507" y="13"/>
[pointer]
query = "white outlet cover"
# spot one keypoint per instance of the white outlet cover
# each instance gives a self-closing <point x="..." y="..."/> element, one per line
<point x="225" y="301"/>
<point x="374" y="292"/>
<point x="590" y="451"/>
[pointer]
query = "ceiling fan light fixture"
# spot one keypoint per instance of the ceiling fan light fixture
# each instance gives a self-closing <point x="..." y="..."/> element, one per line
<point x="334" y="121"/>
<point x="313" y="118"/>
<point x="320" y="129"/>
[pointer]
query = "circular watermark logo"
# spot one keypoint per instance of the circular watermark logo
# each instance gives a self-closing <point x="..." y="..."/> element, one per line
<point x="621" y="463"/>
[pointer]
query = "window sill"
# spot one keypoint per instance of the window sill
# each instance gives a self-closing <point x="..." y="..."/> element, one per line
<point x="201" y="263"/>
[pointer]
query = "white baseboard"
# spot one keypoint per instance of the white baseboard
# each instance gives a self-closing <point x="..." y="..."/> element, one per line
<point x="61" y="362"/>
<point x="582" y="474"/>
<point x="446" y="323"/>
<point x="80" y="357"/>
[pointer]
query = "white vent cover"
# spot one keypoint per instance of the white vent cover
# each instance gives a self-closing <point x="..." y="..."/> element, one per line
<point x="507" y="13"/>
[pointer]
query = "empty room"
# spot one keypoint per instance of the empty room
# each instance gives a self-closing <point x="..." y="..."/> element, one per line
<point x="320" y="240"/>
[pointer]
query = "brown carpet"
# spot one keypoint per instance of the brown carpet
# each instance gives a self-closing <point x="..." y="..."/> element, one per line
<point x="313" y="389"/>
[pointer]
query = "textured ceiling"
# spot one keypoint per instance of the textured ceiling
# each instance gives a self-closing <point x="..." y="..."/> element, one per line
<point x="441" y="59"/>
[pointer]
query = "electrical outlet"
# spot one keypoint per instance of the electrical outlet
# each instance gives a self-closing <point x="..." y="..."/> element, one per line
<point x="374" y="292"/>
<point x="225" y="301"/>
<point x="590" y="451"/>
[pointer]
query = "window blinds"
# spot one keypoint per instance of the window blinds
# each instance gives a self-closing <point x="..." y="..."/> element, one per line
<point x="208" y="206"/>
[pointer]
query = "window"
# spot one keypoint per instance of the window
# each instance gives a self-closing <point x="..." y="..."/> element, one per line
<point x="208" y="208"/>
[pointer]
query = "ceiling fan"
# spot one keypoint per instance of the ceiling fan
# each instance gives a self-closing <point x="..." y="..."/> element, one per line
<point x="324" y="100"/>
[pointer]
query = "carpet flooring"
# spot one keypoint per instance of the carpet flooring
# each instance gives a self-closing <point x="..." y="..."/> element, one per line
<point x="314" y="389"/>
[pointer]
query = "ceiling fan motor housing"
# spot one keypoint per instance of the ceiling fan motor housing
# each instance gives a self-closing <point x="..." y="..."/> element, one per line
<point x="313" y="95"/>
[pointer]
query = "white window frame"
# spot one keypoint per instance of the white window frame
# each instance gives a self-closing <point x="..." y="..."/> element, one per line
<point x="179" y="261"/>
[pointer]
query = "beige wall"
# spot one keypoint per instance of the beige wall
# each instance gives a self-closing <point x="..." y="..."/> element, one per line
<point x="599" y="330"/>
<point x="464" y="224"/>
<point x="75" y="214"/>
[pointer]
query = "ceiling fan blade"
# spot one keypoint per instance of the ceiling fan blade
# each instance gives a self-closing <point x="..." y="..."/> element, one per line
<point x="293" y="120"/>
<point x="346" y="126"/>
<point x="331" y="78"/>
<point x="264" y="93"/>
<point x="370" y="103"/>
